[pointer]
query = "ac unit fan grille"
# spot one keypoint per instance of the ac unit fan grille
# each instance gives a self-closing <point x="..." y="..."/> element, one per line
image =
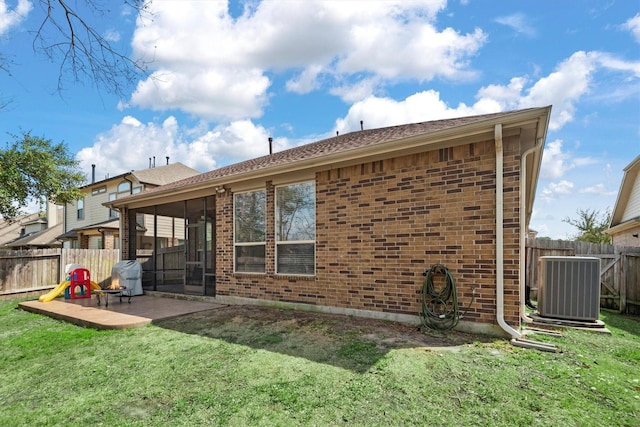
<point x="569" y="288"/>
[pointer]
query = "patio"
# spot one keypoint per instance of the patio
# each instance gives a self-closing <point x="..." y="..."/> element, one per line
<point x="143" y="310"/>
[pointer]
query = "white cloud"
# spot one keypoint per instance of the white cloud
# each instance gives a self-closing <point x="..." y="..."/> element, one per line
<point x="357" y="91"/>
<point x="129" y="145"/>
<point x="379" y="112"/>
<point x="556" y="162"/>
<point x="615" y="64"/>
<point x="306" y="81"/>
<point x="10" y="18"/>
<point x="563" y="88"/>
<point x="216" y="67"/>
<point x="518" y="22"/>
<point x="562" y="187"/>
<point x="598" y="190"/>
<point x="553" y="190"/>
<point x="112" y="35"/>
<point x="633" y="25"/>
<point x="207" y="93"/>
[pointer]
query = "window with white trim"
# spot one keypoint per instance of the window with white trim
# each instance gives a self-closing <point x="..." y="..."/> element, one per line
<point x="296" y="228"/>
<point x="99" y="190"/>
<point x="80" y="205"/>
<point x="250" y="223"/>
<point x="124" y="187"/>
<point x="113" y="213"/>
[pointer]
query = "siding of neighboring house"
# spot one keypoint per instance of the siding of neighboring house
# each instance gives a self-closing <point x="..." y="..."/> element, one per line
<point x="94" y="211"/>
<point x="632" y="209"/>
<point x="381" y="224"/>
<point x="625" y="221"/>
<point x="93" y="235"/>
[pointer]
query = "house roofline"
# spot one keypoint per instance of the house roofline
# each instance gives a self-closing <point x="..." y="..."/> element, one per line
<point x="536" y="117"/>
<point x="627" y="225"/>
<point x="624" y="193"/>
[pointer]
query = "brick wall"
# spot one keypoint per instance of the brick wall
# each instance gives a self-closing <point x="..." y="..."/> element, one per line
<point x="380" y="225"/>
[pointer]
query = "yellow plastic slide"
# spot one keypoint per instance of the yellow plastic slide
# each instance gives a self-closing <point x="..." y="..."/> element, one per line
<point x="58" y="290"/>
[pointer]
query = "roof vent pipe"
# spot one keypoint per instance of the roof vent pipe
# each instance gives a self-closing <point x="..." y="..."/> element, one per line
<point x="361" y="125"/>
<point x="149" y="162"/>
<point x="167" y="159"/>
<point x="93" y="173"/>
<point x="270" y="146"/>
<point x="154" y="161"/>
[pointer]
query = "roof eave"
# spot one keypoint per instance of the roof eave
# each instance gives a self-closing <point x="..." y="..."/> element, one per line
<point x="535" y="116"/>
<point x="627" y="225"/>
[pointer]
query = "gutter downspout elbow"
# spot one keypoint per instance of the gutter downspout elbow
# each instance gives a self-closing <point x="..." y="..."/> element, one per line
<point x="500" y="236"/>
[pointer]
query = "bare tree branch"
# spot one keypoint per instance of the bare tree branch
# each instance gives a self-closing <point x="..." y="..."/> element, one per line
<point x="65" y="34"/>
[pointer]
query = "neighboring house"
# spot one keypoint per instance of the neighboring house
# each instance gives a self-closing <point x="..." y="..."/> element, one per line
<point x="47" y="238"/>
<point x="625" y="218"/>
<point x="90" y="225"/>
<point x="350" y="223"/>
<point x="12" y="230"/>
<point x="36" y="231"/>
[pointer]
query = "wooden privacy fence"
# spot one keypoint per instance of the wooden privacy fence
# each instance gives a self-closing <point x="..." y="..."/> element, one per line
<point x="30" y="270"/>
<point x="619" y="269"/>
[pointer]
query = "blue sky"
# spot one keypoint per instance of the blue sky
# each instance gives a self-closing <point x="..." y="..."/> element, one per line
<point x="224" y="77"/>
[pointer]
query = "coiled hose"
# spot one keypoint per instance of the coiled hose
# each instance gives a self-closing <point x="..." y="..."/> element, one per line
<point x="440" y="309"/>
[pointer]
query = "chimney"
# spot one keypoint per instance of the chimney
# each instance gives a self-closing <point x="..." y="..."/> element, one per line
<point x="52" y="215"/>
<point x="270" y="146"/>
<point x="167" y="159"/>
<point x="93" y="173"/>
<point x="361" y="125"/>
<point x="154" y="161"/>
<point x="149" y="162"/>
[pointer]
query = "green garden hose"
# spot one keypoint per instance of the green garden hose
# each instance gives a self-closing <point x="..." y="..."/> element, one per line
<point x="440" y="309"/>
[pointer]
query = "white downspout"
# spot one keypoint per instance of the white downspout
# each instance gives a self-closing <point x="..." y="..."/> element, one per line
<point x="500" y="237"/>
<point x="523" y="231"/>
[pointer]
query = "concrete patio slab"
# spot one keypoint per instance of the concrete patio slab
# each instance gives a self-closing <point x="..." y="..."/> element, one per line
<point x="142" y="310"/>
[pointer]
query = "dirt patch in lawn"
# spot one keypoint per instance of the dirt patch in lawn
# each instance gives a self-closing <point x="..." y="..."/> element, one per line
<point x="337" y="339"/>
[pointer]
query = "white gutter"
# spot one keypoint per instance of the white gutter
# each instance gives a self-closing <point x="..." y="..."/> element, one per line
<point x="500" y="237"/>
<point x="523" y="231"/>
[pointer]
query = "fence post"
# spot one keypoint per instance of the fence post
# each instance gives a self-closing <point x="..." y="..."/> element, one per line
<point x="622" y="280"/>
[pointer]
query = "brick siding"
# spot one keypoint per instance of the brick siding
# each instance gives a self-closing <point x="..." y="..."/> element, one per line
<point x="381" y="224"/>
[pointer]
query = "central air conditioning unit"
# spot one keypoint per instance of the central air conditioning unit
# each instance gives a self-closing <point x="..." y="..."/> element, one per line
<point x="569" y="287"/>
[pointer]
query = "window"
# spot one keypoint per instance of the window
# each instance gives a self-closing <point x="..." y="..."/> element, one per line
<point x="80" y="205"/>
<point x="249" y="231"/>
<point x="124" y="187"/>
<point x="296" y="228"/>
<point x="99" y="190"/>
<point x="113" y="213"/>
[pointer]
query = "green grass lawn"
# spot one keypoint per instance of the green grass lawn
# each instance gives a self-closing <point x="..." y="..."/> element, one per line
<point x="54" y="373"/>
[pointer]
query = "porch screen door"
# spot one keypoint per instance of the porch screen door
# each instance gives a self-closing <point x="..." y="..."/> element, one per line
<point x="199" y="244"/>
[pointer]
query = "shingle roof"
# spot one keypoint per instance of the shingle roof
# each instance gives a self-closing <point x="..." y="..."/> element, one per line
<point x="155" y="176"/>
<point x="165" y="174"/>
<point x="340" y="144"/>
<point x="10" y="230"/>
<point x="337" y="144"/>
<point x="43" y="238"/>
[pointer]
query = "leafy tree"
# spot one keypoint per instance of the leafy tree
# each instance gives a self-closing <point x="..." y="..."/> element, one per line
<point x="33" y="168"/>
<point x="591" y="225"/>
